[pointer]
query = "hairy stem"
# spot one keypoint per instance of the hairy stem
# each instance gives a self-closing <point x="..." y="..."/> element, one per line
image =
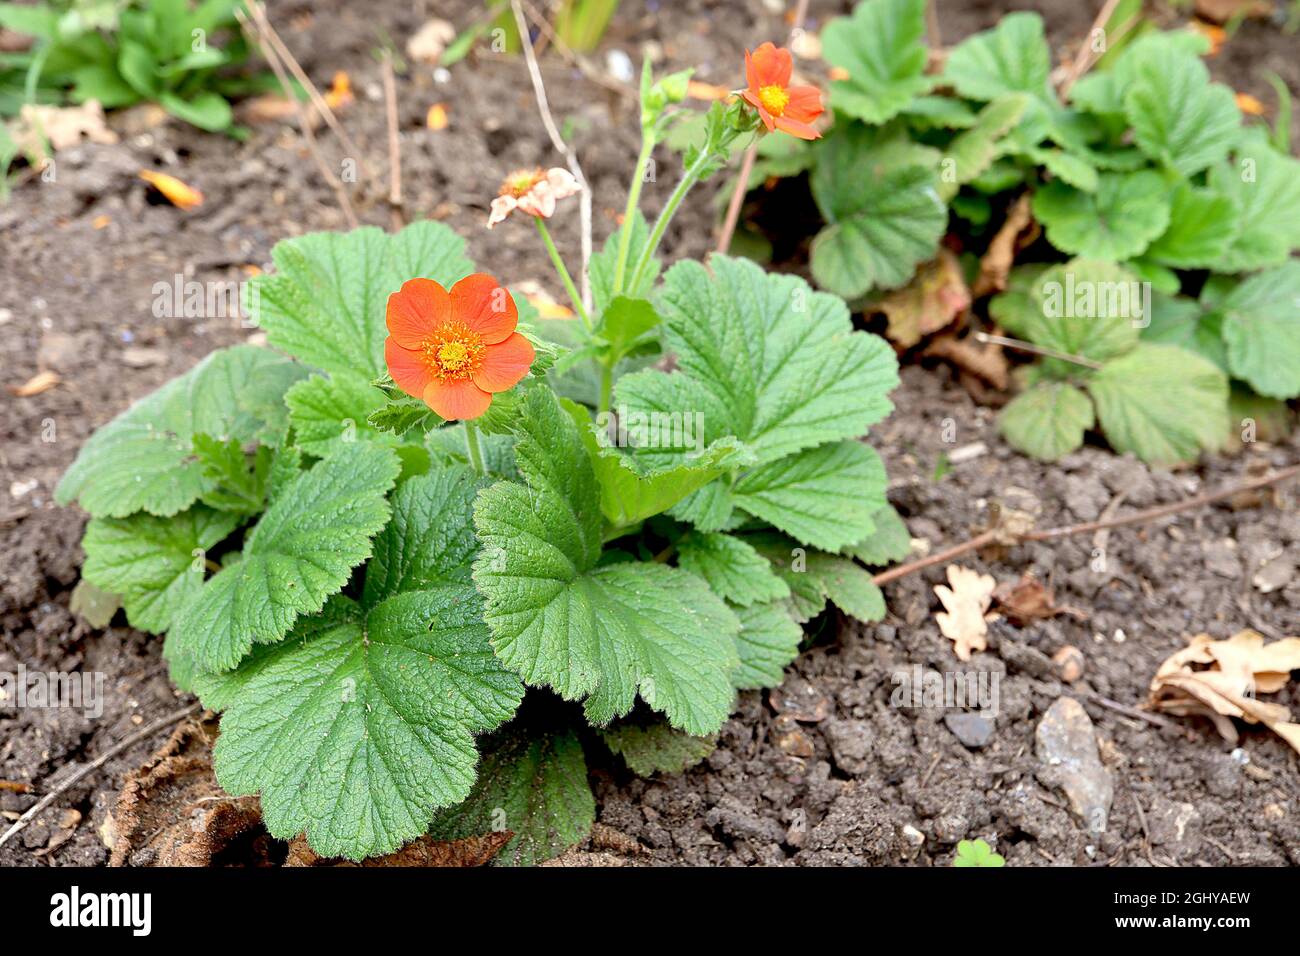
<point x="474" y="448"/>
<point x="629" y="212"/>
<point x="569" y="287"/>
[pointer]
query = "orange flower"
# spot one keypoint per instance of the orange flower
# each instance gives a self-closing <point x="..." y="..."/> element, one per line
<point x="780" y="105"/>
<point x="455" y="349"/>
<point x="533" y="191"/>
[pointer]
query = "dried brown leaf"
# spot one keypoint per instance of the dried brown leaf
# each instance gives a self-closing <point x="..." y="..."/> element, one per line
<point x="967" y="602"/>
<point x="40" y="382"/>
<point x="1001" y="255"/>
<point x="933" y="299"/>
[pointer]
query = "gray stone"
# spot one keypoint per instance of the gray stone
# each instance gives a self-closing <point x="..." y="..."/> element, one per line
<point x="850" y="744"/>
<point x="973" y="730"/>
<point x="1066" y="745"/>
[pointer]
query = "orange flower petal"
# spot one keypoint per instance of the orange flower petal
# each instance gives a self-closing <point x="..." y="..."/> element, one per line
<point x="796" y="128"/>
<point x="415" y="310"/>
<point x="773" y="65"/>
<point x="485" y="306"/>
<point x="805" y="104"/>
<point x="410" y="370"/>
<point x="751" y="72"/>
<point x="505" y="364"/>
<point x="753" y="100"/>
<point x="457" y="399"/>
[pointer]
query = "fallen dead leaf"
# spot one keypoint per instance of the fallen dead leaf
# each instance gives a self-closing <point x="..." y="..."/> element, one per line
<point x="100" y="222"/>
<point x="63" y="126"/>
<point x="15" y="786"/>
<point x="1217" y="36"/>
<point x="179" y="194"/>
<point x="986" y="362"/>
<point x="967" y="603"/>
<point x="1220" y="680"/>
<point x="340" y="91"/>
<point x="271" y="108"/>
<point x="699" y="90"/>
<point x="436" y="118"/>
<point x="545" y="304"/>
<point x="1018" y="230"/>
<point x="932" y="300"/>
<point x="1025" y="601"/>
<point x="40" y="382"/>
<point x="1221" y="11"/>
<point x="469" y="851"/>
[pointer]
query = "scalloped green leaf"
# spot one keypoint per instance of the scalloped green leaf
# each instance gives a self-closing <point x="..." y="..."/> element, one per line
<point x="326" y="301"/>
<point x="533" y="782"/>
<point x="1265" y="188"/>
<point x="1202" y="225"/>
<point x="155" y="564"/>
<point x="328" y="414"/>
<point x="1187" y="324"/>
<point x="768" y="641"/>
<point x="655" y="746"/>
<point x="731" y="567"/>
<point x="1180" y="118"/>
<point x="603" y="632"/>
<point x="1013" y="57"/>
<point x="1116" y="222"/>
<point x="1087" y="308"/>
<point x="301" y="551"/>
<point x="1261" y="326"/>
<point x="889" y="542"/>
<point x="881" y="48"/>
<point x="1162" y="403"/>
<point x="1048" y="421"/>
<point x="143" y="460"/>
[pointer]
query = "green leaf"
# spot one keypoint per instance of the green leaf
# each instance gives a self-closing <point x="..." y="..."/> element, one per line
<point x="768" y="641"/>
<point x="328" y="414"/>
<point x="881" y="47"/>
<point x="1162" y="403"/>
<point x="401" y="414"/>
<point x="1186" y="324"/>
<point x="1265" y="188"/>
<point x="1048" y="421"/>
<point x="762" y="358"/>
<point x="731" y="567"/>
<point x="1179" y="117"/>
<point x="1015" y="308"/>
<point x="101" y="81"/>
<point x="143" y="460"/>
<point x="1071" y="169"/>
<point x="655" y="746"/>
<point x="327" y="300"/>
<point x="1011" y="58"/>
<point x="973" y="151"/>
<point x="1261" y="326"/>
<point x="1116" y="222"/>
<point x="137" y="66"/>
<point x="824" y="496"/>
<point x="604" y="632"/>
<point x="889" y="542"/>
<point x="96" y="607"/>
<point x="629" y="493"/>
<point x="302" y="550"/>
<point x="361" y="724"/>
<point x="939" y="112"/>
<point x="206" y="110"/>
<point x="239" y="483"/>
<point x="625" y="323"/>
<point x="155" y="564"/>
<point x="849" y="586"/>
<point x="532" y="783"/>
<point x="1087" y="308"/>
<point x="882" y="203"/>
<point x="1202" y="224"/>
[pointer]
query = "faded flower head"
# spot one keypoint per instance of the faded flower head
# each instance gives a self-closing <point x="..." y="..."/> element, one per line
<point x="780" y="106"/>
<point x="455" y="349"/>
<point x="532" y="191"/>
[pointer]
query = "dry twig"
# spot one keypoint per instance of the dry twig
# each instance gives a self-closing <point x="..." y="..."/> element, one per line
<point x="394" y="144"/>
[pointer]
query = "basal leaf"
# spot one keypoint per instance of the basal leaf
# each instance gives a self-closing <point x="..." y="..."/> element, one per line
<point x="331" y="413"/>
<point x="326" y="302"/>
<point x="973" y="151"/>
<point x="155" y="564"/>
<point x="143" y="460"/>
<point x="604" y="632"/>
<point x="361" y="724"/>
<point x="1202" y="224"/>
<point x="768" y="641"/>
<point x="604" y="267"/>
<point x="731" y="567"/>
<point x="1265" y="188"/>
<point x="1162" y="403"/>
<point x="1011" y="58"/>
<point x="655" y="746"/>
<point x="824" y="496"/>
<point x="848" y="585"/>
<point x="302" y="550"/>
<point x="1261" y="325"/>
<point x="881" y="48"/>
<point x="889" y="542"/>
<point x="1087" y="308"/>
<point x="532" y="782"/>
<point x="1180" y="118"/>
<point x="1047" y="421"/>
<point x="1187" y="324"/>
<point x="1116" y="222"/>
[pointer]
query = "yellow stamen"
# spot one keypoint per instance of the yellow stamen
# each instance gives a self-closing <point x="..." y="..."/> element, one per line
<point x="774" y="99"/>
<point x="520" y="181"/>
<point x="453" y="356"/>
<point x="453" y="351"/>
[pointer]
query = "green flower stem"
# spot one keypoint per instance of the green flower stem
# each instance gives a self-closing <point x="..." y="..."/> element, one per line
<point x="629" y="212"/>
<point x="569" y="287"/>
<point x="474" y="448"/>
<point x="691" y="177"/>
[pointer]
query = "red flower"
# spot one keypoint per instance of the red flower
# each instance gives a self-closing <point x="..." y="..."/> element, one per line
<point x="455" y="349"/>
<point x="780" y="105"/>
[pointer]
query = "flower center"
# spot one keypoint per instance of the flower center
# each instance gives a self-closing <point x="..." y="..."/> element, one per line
<point x="520" y="181"/>
<point x="453" y="352"/>
<point x="774" y="99"/>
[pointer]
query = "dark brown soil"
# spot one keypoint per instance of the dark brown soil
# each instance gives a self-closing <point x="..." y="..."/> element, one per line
<point x="76" y="299"/>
